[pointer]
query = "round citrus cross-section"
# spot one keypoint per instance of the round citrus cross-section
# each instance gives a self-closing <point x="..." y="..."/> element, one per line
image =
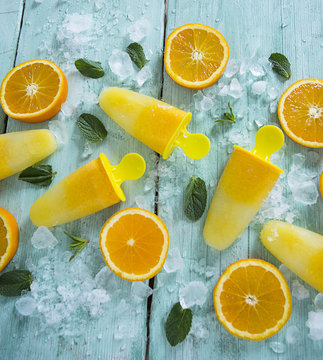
<point x="134" y="244"/>
<point x="33" y="91"/>
<point x="9" y="237"/>
<point x="300" y="111"/>
<point x="252" y="299"/>
<point x="195" y="55"/>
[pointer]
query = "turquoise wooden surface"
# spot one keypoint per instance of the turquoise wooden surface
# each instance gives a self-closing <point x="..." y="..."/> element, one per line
<point x="253" y="30"/>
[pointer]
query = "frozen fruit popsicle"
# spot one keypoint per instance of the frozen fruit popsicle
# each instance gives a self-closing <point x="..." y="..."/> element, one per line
<point x="158" y="125"/>
<point x="244" y="185"/>
<point x="93" y="187"/>
<point x="299" y="249"/>
<point x="19" y="150"/>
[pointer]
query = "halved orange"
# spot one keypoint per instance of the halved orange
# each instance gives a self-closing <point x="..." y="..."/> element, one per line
<point x="196" y="55"/>
<point x="9" y="237"/>
<point x="33" y="91"/>
<point x="300" y="111"/>
<point x="134" y="244"/>
<point x="252" y="299"/>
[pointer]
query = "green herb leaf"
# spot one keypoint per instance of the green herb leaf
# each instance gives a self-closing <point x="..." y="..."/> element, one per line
<point x="178" y="324"/>
<point x="137" y="55"/>
<point x="281" y="65"/>
<point x="41" y="175"/>
<point x="89" y="68"/>
<point x="229" y="117"/>
<point x="195" y="198"/>
<point x="13" y="282"/>
<point x="78" y="244"/>
<point x="92" y="128"/>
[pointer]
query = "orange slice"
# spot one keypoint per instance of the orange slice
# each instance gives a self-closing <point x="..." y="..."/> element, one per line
<point x="9" y="237"/>
<point x="252" y="299"/>
<point x="300" y="111"/>
<point x="33" y="91"/>
<point x="321" y="184"/>
<point x="134" y="244"/>
<point x="196" y="55"/>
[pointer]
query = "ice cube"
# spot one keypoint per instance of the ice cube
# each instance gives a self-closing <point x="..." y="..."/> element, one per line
<point x="304" y="192"/>
<point x="257" y="70"/>
<point x="318" y="301"/>
<point x="149" y="184"/>
<point x="277" y="347"/>
<point x="258" y="87"/>
<point x="68" y="109"/>
<point x="261" y="122"/>
<point x="273" y="107"/>
<point x="193" y="294"/>
<point x="120" y="64"/>
<point x="25" y="305"/>
<point x="139" y="29"/>
<point x="141" y="290"/>
<point x="232" y="68"/>
<point x="292" y="335"/>
<point x="272" y="93"/>
<point x="206" y="103"/>
<point x="224" y="91"/>
<point x="58" y="128"/>
<point x="77" y="23"/>
<point x="285" y="271"/>
<point x="298" y="160"/>
<point x="173" y="261"/>
<point x="244" y="67"/>
<point x="94" y="299"/>
<point x="198" y="330"/>
<point x="315" y="325"/>
<point x="235" y="89"/>
<point x="144" y="75"/>
<point x="299" y="291"/>
<point x="43" y="238"/>
<point x="88" y="149"/>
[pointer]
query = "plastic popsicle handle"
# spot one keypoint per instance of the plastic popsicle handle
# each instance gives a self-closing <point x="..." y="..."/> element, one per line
<point x="195" y="146"/>
<point x="131" y="167"/>
<point x="269" y="139"/>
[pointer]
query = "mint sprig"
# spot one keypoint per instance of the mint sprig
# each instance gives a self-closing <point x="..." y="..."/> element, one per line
<point x="178" y="324"/>
<point x="137" y="55"/>
<point x="78" y="244"/>
<point x="229" y="117"/>
<point x="12" y="283"/>
<point x="89" y="68"/>
<point x="281" y="65"/>
<point x="92" y="128"/>
<point x="195" y="198"/>
<point x="41" y="175"/>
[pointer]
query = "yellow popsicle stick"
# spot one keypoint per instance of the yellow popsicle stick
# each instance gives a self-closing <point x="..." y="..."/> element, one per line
<point x="195" y="146"/>
<point x="269" y="139"/>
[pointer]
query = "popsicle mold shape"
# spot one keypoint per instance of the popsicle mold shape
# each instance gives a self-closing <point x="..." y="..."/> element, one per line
<point x="299" y="249"/>
<point x="244" y="185"/>
<point x="19" y="150"/>
<point x="158" y="125"/>
<point x="93" y="187"/>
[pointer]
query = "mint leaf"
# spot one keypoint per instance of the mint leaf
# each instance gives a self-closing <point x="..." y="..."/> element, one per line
<point x="137" y="55"/>
<point x="13" y="282"/>
<point x="178" y="324"/>
<point x="195" y="198"/>
<point x="229" y="117"/>
<point x="41" y="175"/>
<point x="281" y="65"/>
<point x="78" y="244"/>
<point x="92" y="128"/>
<point x="89" y="68"/>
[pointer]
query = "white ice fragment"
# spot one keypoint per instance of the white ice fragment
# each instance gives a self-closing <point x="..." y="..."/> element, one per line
<point x="299" y="291"/>
<point x="315" y="325"/>
<point x="144" y="75"/>
<point x="235" y="89"/>
<point x="273" y="107"/>
<point x="318" y="301"/>
<point x="98" y="5"/>
<point x="139" y="29"/>
<point x="261" y="122"/>
<point x="77" y="23"/>
<point x="232" y="68"/>
<point x="94" y="299"/>
<point x="272" y="93"/>
<point x="292" y="335"/>
<point x="285" y="271"/>
<point x="141" y="290"/>
<point x="257" y="70"/>
<point x="304" y="192"/>
<point x="120" y="64"/>
<point x="244" y="67"/>
<point x="68" y="109"/>
<point x="149" y="184"/>
<point x="43" y="238"/>
<point x="224" y="91"/>
<point x="173" y="261"/>
<point x="193" y="294"/>
<point x="206" y="103"/>
<point x="198" y="330"/>
<point x="88" y="149"/>
<point x="25" y="305"/>
<point x="258" y="87"/>
<point x="58" y="128"/>
<point x="140" y="201"/>
<point x="277" y="347"/>
<point x="298" y="160"/>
